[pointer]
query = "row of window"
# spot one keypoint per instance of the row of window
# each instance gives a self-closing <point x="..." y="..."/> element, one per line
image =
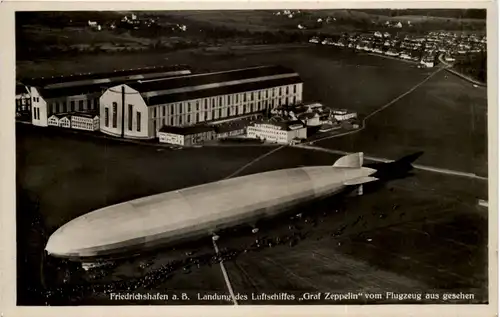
<point x="88" y="126"/>
<point x="23" y="108"/>
<point x="267" y="128"/>
<point x="23" y="101"/>
<point x="80" y="119"/>
<point x="268" y="135"/>
<point x="58" y="107"/>
<point x="216" y="114"/>
<point x="204" y="116"/>
<point x="192" y="105"/>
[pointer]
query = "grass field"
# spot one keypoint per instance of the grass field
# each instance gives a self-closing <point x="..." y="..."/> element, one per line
<point x="446" y="118"/>
<point x="434" y="240"/>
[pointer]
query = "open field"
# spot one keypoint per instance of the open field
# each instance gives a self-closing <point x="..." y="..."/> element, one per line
<point x="428" y="234"/>
<point x="446" y="118"/>
<point x="346" y="20"/>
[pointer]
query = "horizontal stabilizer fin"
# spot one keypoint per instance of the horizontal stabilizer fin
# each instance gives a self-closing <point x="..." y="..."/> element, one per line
<point x="351" y="160"/>
<point x="360" y="180"/>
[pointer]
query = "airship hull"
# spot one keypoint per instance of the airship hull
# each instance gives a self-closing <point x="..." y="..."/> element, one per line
<point x="127" y="248"/>
<point x="195" y="211"/>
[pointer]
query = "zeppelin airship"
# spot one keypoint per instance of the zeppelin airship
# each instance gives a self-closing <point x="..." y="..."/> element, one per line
<point x="192" y="212"/>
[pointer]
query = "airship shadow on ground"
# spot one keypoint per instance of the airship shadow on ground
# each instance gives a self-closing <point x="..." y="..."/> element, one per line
<point x="386" y="172"/>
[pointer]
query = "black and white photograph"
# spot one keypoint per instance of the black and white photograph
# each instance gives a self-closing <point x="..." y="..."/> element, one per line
<point x="231" y="157"/>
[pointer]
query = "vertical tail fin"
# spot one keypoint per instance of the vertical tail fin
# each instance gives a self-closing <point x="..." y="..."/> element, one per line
<point x="350" y="160"/>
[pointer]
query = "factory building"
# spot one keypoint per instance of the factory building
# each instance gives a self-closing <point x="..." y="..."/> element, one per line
<point x="191" y="135"/>
<point x="343" y="114"/>
<point x="186" y="136"/>
<point x="81" y="93"/>
<point x="85" y="121"/>
<point x="280" y="132"/>
<point x="139" y="110"/>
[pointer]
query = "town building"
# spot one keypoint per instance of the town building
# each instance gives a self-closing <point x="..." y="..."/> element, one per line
<point x="23" y="99"/>
<point x="186" y="136"/>
<point x="283" y="132"/>
<point x="82" y="92"/>
<point x="139" y="110"/>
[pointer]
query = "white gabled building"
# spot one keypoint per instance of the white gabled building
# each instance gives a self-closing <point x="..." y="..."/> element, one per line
<point x="64" y="122"/>
<point x="53" y="121"/>
<point x="81" y="92"/>
<point x="141" y="109"/>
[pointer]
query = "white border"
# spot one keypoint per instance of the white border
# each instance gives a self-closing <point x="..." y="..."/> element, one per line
<point x="7" y="168"/>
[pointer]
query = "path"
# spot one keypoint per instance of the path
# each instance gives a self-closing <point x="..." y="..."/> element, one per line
<point x="226" y="276"/>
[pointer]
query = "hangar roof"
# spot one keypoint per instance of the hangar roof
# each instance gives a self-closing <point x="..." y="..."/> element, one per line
<point x="217" y="91"/>
<point x="59" y="81"/>
<point x="80" y="84"/>
<point x="212" y="84"/>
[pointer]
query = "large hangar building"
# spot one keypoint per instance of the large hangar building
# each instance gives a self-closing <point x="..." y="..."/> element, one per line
<point x="140" y="109"/>
<point x="81" y="93"/>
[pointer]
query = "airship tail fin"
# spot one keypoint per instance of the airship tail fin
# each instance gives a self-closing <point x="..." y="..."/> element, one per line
<point x="360" y="180"/>
<point x="351" y="160"/>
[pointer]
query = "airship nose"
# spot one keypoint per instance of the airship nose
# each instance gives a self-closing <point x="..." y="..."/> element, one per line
<point x="58" y="245"/>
